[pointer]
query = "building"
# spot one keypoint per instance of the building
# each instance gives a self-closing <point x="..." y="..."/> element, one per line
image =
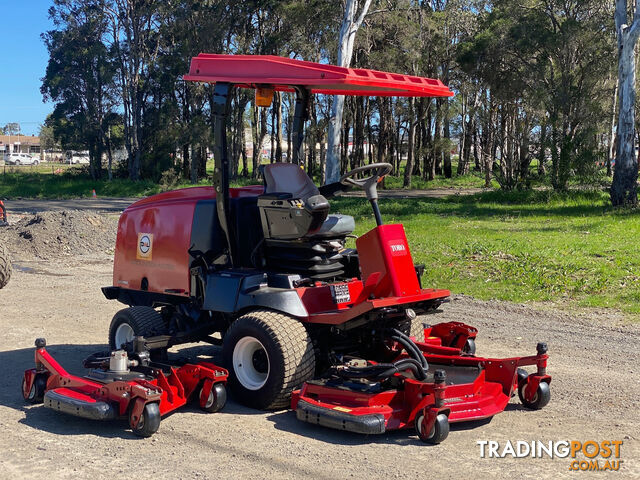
<point x="19" y="144"/>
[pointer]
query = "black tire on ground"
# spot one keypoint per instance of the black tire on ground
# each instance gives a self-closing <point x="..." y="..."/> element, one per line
<point x="5" y="266"/>
<point x="469" y="347"/>
<point x="439" y="432"/>
<point x="135" y="321"/>
<point x="417" y="329"/>
<point x="149" y="421"/>
<point x="217" y="398"/>
<point x="36" y="394"/>
<point x="541" y="398"/>
<point x="268" y="355"/>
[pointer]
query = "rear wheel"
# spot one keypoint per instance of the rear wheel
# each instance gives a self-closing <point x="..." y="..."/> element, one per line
<point x="417" y="329"/>
<point x="5" y="266"/>
<point x="133" y="322"/>
<point x="268" y="355"/>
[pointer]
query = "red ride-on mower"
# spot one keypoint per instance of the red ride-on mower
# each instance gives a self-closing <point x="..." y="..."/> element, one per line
<point x="264" y="270"/>
<point x="124" y="385"/>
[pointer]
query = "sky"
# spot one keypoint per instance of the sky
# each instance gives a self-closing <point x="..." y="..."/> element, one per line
<point x="24" y="60"/>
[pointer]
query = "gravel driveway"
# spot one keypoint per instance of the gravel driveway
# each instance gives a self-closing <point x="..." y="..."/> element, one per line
<point x="595" y="396"/>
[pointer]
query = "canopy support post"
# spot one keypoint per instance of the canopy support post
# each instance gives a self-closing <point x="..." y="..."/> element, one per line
<point x="220" y="108"/>
<point x="301" y="115"/>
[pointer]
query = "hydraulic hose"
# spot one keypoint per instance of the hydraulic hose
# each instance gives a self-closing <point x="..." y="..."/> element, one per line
<point x="411" y="348"/>
<point x="384" y="370"/>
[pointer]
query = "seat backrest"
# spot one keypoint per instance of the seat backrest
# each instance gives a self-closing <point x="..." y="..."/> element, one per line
<point x="289" y="178"/>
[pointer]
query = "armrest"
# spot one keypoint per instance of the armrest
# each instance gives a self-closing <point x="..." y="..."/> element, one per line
<point x="333" y="189"/>
<point x="276" y="196"/>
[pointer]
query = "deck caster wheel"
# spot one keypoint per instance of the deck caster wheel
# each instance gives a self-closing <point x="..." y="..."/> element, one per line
<point x="217" y="398"/>
<point x="36" y="394"/>
<point x="541" y="398"/>
<point x="149" y="421"/>
<point x="521" y="377"/>
<point x="439" y="432"/>
<point x="469" y="347"/>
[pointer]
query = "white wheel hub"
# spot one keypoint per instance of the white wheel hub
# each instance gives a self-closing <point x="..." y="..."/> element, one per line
<point x="251" y="363"/>
<point x="124" y="334"/>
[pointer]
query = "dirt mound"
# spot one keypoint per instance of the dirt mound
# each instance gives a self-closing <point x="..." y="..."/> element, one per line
<point x="49" y="235"/>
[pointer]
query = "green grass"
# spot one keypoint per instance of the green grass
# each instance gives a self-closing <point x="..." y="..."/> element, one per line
<point x="520" y="247"/>
<point x="472" y="180"/>
<point x="50" y="181"/>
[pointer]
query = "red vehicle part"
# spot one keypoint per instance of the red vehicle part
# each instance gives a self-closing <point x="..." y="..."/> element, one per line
<point x="282" y="74"/>
<point x="88" y="397"/>
<point x="3" y="214"/>
<point x="166" y="219"/>
<point x="463" y="388"/>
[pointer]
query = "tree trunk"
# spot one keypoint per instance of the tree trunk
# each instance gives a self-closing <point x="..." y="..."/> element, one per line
<point x="278" y="107"/>
<point x="612" y="137"/>
<point x="346" y="40"/>
<point x="408" y="169"/>
<point x="625" y="175"/>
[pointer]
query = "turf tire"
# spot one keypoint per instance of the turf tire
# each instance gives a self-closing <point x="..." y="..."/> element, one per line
<point x="290" y="354"/>
<point x="417" y="329"/>
<point x="144" y="321"/>
<point x="5" y="266"/>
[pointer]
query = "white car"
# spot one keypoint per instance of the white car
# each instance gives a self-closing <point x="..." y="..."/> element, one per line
<point x="77" y="159"/>
<point x="21" y="159"/>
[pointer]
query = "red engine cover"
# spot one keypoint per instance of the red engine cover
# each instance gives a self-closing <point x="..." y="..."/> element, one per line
<point x="154" y="237"/>
<point x="385" y="250"/>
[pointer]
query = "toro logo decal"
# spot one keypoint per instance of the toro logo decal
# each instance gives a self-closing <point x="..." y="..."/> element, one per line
<point x="397" y="249"/>
<point x="145" y="246"/>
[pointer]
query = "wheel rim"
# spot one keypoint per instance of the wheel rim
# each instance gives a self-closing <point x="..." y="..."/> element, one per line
<point x="124" y="334"/>
<point x="419" y="426"/>
<point x="32" y="393"/>
<point x="251" y="363"/>
<point x="210" y="399"/>
<point x="140" y="425"/>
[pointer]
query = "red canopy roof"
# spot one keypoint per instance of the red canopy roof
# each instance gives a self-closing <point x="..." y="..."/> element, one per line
<point x="282" y="73"/>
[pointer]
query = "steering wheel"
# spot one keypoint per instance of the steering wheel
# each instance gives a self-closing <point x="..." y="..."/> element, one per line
<point x="368" y="184"/>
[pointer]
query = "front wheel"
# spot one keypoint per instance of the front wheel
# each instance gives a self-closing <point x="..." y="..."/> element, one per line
<point x="217" y="398"/>
<point x="439" y="432"/>
<point x="149" y="421"/>
<point x="268" y="355"/>
<point x="540" y="399"/>
<point x="36" y="393"/>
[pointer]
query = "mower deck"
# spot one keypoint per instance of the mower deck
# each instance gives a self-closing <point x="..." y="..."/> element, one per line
<point x="460" y="386"/>
<point x="144" y="393"/>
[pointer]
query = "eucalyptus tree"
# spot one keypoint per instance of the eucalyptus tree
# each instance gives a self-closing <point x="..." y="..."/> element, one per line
<point x="624" y="187"/>
<point x="79" y="77"/>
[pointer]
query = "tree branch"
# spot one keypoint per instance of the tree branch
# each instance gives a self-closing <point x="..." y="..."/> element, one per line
<point x="365" y="9"/>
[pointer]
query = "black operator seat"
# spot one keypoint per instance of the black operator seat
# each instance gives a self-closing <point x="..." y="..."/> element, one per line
<point x="288" y="180"/>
